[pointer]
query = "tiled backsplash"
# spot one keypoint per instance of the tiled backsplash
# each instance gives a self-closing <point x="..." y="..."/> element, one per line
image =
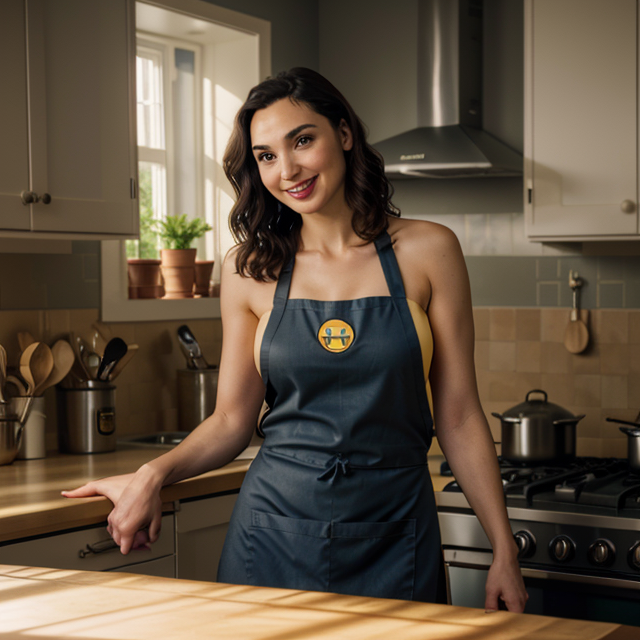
<point x="518" y="350"/>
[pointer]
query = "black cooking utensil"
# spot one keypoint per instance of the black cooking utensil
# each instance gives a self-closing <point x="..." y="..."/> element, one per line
<point x="114" y="351"/>
<point x="191" y="348"/>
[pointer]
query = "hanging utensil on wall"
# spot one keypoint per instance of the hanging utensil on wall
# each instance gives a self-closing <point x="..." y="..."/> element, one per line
<point x="576" y="337"/>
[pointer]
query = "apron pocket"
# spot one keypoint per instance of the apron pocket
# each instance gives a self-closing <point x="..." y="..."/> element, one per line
<point x="375" y="559"/>
<point x="289" y="553"/>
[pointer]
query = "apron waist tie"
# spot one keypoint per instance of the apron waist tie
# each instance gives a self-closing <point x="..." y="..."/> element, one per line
<point x="336" y="465"/>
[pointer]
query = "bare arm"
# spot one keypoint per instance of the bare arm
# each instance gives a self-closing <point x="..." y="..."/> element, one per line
<point x="214" y="443"/>
<point x="461" y="427"/>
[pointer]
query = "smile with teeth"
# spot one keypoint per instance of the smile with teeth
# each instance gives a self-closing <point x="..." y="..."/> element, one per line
<point x="303" y="189"/>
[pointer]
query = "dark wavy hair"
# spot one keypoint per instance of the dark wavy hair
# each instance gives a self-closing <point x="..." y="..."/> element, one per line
<point x="268" y="231"/>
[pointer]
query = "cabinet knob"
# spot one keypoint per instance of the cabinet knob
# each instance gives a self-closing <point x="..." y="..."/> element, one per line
<point x="628" y="206"/>
<point x="28" y="197"/>
<point x="46" y="198"/>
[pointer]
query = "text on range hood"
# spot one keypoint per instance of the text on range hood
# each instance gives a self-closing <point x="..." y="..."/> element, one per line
<point x="449" y="141"/>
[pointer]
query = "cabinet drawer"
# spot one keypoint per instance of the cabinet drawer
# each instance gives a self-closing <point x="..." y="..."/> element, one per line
<point x="72" y="550"/>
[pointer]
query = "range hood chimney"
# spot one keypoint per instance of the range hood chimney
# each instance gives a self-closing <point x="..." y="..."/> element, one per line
<point x="449" y="141"/>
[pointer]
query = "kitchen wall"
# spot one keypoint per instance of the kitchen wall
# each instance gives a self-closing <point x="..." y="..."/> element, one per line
<point x="520" y="290"/>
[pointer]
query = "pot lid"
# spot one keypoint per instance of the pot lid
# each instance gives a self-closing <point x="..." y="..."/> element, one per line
<point x="539" y="407"/>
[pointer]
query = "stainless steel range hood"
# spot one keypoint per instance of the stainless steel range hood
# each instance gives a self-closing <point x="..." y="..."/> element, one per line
<point x="449" y="141"/>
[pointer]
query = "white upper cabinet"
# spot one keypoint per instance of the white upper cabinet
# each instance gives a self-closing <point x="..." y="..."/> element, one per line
<point x="581" y="119"/>
<point x="67" y="134"/>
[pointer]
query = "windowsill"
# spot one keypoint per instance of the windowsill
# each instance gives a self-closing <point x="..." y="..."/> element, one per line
<point x="116" y="307"/>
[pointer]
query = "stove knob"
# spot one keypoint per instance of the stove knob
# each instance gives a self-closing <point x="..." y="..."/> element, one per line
<point x="634" y="556"/>
<point x="602" y="553"/>
<point x="562" y="548"/>
<point x="526" y="544"/>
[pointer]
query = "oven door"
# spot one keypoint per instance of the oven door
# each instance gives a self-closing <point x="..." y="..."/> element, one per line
<point x="551" y="593"/>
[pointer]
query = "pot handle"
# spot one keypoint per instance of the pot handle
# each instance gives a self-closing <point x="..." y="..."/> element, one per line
<point x="507" y="419"/>
<point x="631" y="424"/>
<point x="544" y="393"/>
<point x="568" y="420"/>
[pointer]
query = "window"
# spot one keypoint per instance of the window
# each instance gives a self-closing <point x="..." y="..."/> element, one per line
<point x="195" y="64"/>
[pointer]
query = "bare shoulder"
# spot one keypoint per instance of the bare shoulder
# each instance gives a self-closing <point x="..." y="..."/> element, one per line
<point x="243" y="292"/>
<point x="424" y="238"/>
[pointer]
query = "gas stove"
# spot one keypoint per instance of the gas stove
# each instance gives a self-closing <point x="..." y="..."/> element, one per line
<point x="577" y="527"/>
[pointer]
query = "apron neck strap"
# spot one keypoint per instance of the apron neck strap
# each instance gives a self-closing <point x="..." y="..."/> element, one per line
<point x="284" y="283"/>
<point x="390" y="266"/>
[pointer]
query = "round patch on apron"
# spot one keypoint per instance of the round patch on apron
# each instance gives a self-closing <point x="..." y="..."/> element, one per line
<point x="336" y="335"/>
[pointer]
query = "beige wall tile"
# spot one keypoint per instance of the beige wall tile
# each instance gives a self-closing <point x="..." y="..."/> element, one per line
<point x="502" y="387"/>
<point x="634" y="326"/>
<point x="634" y="358"/>
<point x="502" y="324"/>
<point x="614" y="448"/>
<point x="591" y="426"/>
<point x="614" y="392"/>
<point x="57" y="324"/>
<point x="528" y="356"/>
<point x="481" y="323"/>
<point x="502" y="356"/>
<point x="525" y="382"/>
<point x="80" y="320"/>
<point x="588" y="390"/>
<point x="589" y="447"/>
<point x="611" y="326"/>
<point x="553" y="324"/>
<point x="614" y="359"/>
<point x="528" y="323"/>
<point x="481" y="355"/>
<point x="559" y="388"/>
<point x="634" y="392"/>
<point x="554" y="358"/>
<point x="587" y="362"/>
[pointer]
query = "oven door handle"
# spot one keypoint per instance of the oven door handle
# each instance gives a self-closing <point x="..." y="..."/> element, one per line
<point x="482" y="560"/>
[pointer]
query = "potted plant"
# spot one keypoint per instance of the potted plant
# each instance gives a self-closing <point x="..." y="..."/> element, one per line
<point x="178" y="258"/>
<point x="143" y="265"/>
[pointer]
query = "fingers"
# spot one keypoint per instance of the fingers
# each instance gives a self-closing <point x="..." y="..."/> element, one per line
<point x="154" y="527"/>
<point x="86" y="491"/>
<point x="491" y="602"/>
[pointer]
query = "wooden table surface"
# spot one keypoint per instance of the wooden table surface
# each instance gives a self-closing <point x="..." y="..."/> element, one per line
<point x="47" y="603"/>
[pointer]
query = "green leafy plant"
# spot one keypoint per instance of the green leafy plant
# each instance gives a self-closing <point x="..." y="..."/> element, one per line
<point x="147" y="245"/>
<point x="178" y="232"/>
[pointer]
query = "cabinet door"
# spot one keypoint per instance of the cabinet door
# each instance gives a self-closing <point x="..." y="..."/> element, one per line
<point x="581" y="139"/>
<point x="14" y="141"/>
<point x="201" y="527"/>
<point x="82" y="136"/>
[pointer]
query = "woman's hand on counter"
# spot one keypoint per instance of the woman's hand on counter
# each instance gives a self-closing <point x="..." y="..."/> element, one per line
<point x="135" y="519"/>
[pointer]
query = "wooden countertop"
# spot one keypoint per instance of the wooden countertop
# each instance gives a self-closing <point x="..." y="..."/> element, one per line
<point x="49" y="603"/>
<point x="31" y="504"/>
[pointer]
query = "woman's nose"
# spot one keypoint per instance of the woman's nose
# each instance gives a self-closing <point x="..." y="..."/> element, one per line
<point x="288" y="167"/>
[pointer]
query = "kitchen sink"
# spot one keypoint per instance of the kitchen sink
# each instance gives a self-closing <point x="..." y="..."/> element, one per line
<point x="162" y="439"/>
<point x="169" y="439"/>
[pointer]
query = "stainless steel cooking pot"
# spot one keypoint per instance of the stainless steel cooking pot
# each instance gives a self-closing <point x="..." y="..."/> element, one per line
<point x="633" y="442"/>
<point x="537" y="431"/>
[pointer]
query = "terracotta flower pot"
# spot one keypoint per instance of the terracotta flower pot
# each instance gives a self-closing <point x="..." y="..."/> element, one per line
<point x="178" y="271"/>
<point x="203" y="276"/>
<point x="145" y="279"/>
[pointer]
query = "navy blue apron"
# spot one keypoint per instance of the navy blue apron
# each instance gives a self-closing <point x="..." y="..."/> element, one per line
<point x="339" y="497"/>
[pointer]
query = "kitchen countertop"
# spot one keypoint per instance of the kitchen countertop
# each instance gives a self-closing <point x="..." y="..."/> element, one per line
<point x="83" y="604"/>
<point x="31" y="504"/>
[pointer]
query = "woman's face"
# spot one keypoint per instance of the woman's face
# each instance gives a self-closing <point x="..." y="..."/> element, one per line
<point x="300" y="156"/>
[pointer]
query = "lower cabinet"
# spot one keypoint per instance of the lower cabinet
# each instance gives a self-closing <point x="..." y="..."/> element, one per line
<point x="201" y="527"/>
<point x="92" y="549"/>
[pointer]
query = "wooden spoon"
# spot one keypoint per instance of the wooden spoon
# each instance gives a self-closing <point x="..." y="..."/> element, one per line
<point x="576" y="337"/>
<point x="36" y="364"/>
<point x="25" y="339"/>
<point x="63" y="359"/>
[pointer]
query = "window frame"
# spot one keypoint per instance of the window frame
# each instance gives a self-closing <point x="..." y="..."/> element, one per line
<point x="115" y="304"/>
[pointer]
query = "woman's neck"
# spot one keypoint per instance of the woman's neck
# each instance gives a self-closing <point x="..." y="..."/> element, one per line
<point x="328" y="234"/>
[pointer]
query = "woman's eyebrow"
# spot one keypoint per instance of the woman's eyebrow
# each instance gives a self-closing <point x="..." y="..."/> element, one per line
<point x="292" y="134"/>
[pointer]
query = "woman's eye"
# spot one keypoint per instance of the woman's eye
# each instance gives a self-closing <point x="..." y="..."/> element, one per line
<point x="265" y="157"/>
<point x="304" y="140"/>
